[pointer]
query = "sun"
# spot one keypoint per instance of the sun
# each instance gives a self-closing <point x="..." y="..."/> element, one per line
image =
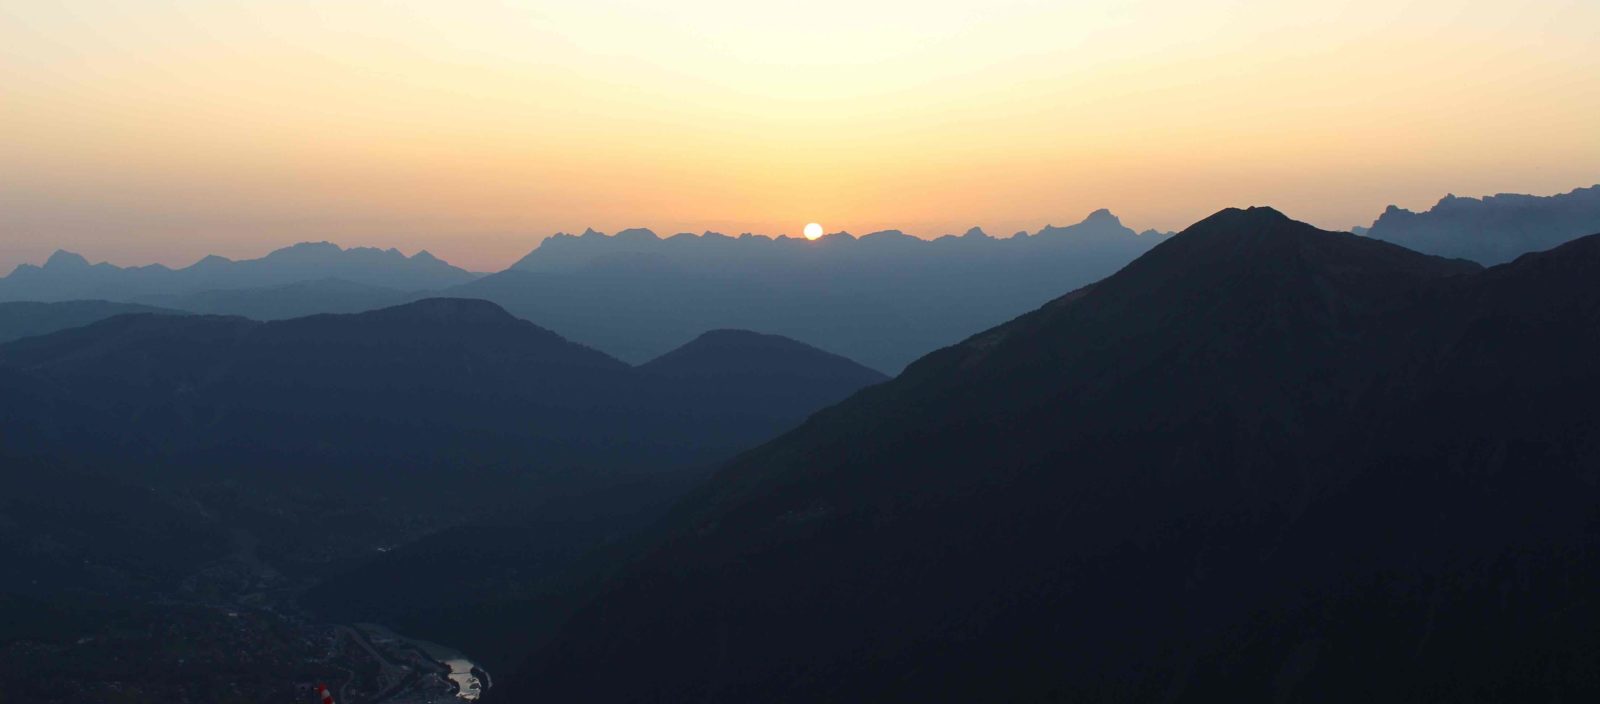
<point x="813" y="231"/>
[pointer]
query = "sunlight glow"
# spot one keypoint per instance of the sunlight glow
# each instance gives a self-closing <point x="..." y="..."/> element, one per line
<point x="164" y="130"/>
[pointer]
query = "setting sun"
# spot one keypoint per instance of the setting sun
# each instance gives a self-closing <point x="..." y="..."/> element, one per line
<point x="813" y="231"/>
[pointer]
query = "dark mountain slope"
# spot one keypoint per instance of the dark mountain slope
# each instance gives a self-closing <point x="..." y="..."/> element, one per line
<point x="715" y="395"/>
<point x="19" y="319"/>
<point x="766" y="376"/>
<point x="1261" y="462"/>
<point x="408" y="383"/>
<point x="741" y="352"/>
<point x="347" y="449"/>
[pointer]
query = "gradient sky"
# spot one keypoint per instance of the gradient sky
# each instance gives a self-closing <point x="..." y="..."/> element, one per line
<point x="161" y="130"/>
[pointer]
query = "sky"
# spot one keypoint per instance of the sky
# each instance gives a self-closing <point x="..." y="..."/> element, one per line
<point x="141" y="131"/>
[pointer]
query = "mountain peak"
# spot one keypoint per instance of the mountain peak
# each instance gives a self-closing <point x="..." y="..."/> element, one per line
<point x="305" y="252"/>
<point x="449" y="310"/>
<point x="1235" y="217"/>
<point x="976" y="233"/>
<point x="62" y="259"/>
<point x="211" y="260"/>
<point x="1102" y="216"/>
<point x="888" y="236"/>
<point x="637" y="234"/>
<point x="732" y="351"/>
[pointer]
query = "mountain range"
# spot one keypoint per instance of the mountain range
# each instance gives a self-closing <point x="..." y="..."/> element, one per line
<point x="1261" y="462"/>
<point x="1494" y="229"/>
<point x="315" y="439"/>
<point x="67" y="276"/>
<point x="882" y="299"/>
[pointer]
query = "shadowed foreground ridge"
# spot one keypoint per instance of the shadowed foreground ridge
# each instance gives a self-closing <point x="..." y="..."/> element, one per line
<point x="406" y="466"/>
<point x="1261" y="462"/>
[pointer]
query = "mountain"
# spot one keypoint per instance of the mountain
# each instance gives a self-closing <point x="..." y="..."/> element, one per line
<point x="68" y="276"/>
<point x="1261" y="462"/>
<point x="1495" y="229"/>
<point x="294" y="300"/>
<point x="766" y="375"/>
<point x="21" y="319"/>
<point x="166" y="462"/>
<point x="882" y="299"/>
<point x="334" y="384"/>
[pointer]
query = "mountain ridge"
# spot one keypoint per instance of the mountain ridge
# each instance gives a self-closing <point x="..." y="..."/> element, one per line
<point x="67" y="275"/>
<point x="1494" y="229"/>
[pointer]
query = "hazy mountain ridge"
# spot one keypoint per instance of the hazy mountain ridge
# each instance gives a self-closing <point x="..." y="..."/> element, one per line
<point x="1263" y="461"/>
<point x="69" y="276"/>
<point x="1493" y="229"/>
<point x="881" y="299"/>
<point x="292" y="300"/>
<point x="754" y="254"/>
<point x="19" y="319"/>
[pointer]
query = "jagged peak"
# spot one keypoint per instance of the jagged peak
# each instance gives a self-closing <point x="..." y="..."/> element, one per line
<point x="1102" y="215"/>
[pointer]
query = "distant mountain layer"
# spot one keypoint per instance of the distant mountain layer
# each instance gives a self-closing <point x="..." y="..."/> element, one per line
<point x="1262" y="462"/>
<point x="882" y="299"/>
<point x="760" y="254"/>
<point x="1495" y="229"/>
<point x="294" y="300"/>
<point x="21" y="319"/>
<point x="68" y="276"/>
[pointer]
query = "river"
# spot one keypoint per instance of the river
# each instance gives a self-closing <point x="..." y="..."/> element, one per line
<point x="462" y="671"/>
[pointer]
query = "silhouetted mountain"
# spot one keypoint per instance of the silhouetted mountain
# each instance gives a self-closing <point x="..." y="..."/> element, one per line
<point x="439" y="363"/>
<point x="68" y="276"/>
<point x="313" y="441"/>
<point x="1262" y="462"/>
<point x="1494" y="229"/>
<point x="767" y="375"/>
<point x="883" y="298"/>
<point x="20" y="319"/>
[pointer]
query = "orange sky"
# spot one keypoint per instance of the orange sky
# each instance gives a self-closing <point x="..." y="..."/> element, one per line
<point x="145" y="130"/>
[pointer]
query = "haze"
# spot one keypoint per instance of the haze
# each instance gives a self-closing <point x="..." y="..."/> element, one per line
<point x="139" y="131"/>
